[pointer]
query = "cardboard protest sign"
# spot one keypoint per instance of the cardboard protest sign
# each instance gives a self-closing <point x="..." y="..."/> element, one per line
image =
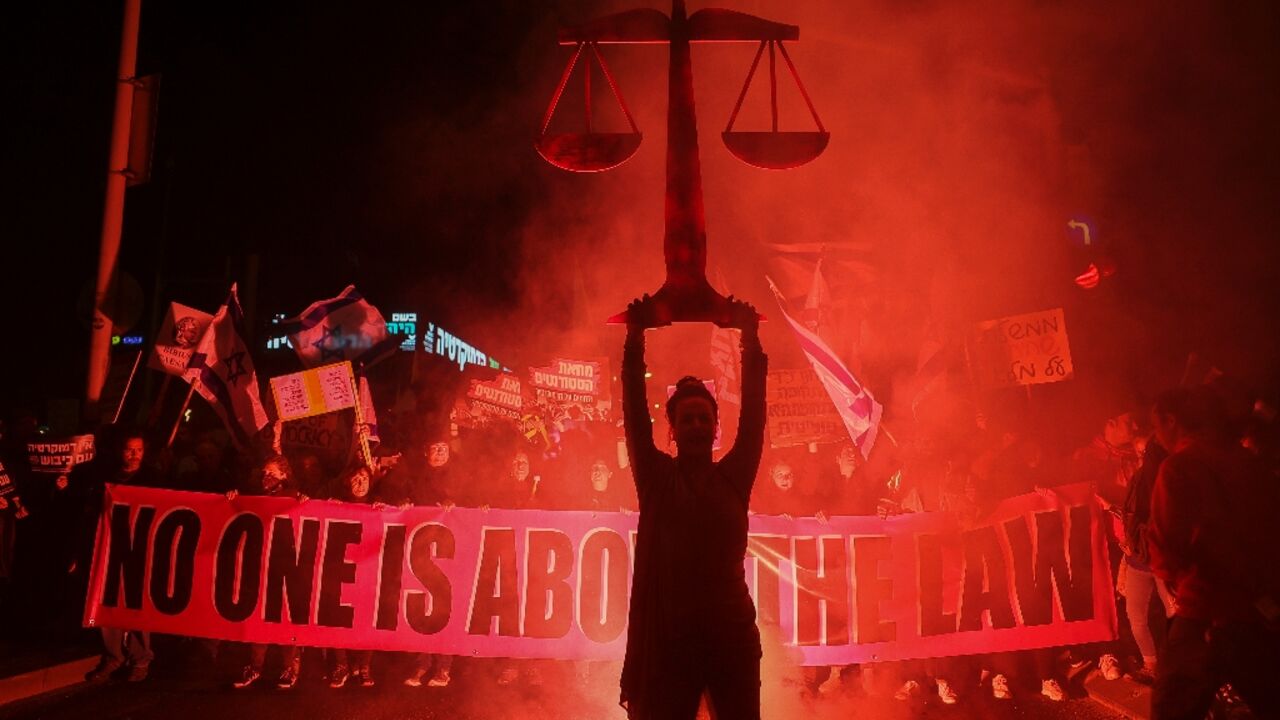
<point x="325" y="389"/>
<point x="488" y="400"/>
<point x="566" y="383"/>
<point x="327" y="436"/>
<point x="541" y="584"/>
<point x="180" y="332"/>
<point x="57" y="457"/>
<point x="1028" y="349"/>
<point x="800" y="410"/>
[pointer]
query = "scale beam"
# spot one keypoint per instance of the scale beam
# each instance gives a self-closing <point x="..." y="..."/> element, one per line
<point x="649" y="27"/>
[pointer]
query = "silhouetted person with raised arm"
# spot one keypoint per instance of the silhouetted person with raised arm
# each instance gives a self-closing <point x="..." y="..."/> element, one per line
<point x="692" y="623"/>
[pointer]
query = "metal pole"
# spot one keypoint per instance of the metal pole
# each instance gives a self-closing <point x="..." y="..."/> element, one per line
<point x="182" y="411"/>
<point x="113" y="210"/>
<point x="128" y="384"/>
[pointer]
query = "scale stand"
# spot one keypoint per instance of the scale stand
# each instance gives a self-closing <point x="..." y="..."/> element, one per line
<point x="686" y="295"/>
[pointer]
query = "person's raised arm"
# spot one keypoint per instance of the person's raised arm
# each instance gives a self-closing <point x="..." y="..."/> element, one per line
<point x="744" y="458"/>
<point x="635" y="402"/>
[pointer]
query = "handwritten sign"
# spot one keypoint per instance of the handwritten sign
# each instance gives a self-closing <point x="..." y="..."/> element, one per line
<point x="800" y="410"/>
<point x="1028" y="349"/>
<point x="325" y="389"/>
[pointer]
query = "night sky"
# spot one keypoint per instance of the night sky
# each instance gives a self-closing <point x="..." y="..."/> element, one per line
<point x="389" y="145"/>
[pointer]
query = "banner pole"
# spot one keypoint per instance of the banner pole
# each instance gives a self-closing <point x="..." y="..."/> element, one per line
<point x="181" y="412"/>
<point x="154" y="417"/>
<point x="362" y="430"/>
<point x="127" y="384"/>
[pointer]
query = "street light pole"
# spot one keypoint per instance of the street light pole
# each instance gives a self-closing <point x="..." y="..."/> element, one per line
<point x="113" y="210"/>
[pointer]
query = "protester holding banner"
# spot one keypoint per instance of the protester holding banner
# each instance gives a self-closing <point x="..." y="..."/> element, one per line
<point x="780" y="494"/>
<point x="274" y="479"/>
<point x="930" y="482"/>
<point x="120" y="461"/>
<point x="1108" y="463"/>
<point x="353" y="486"/>
<point x="846" y="486"/>
<point x="1016" y="468"/>
<point x="428" y="483"/>
<point x="517" y="489"/>
<point x="692" y="621"/>
<point x="208" y="470"/>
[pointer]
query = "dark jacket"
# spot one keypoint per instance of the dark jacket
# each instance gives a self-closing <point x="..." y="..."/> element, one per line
<point x="1213" y="531"/>
<point x="1137" y="505"/>
<point x="689" y="585"/>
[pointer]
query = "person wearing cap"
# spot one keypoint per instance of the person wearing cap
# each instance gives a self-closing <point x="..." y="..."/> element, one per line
<point x="692" y="624"/>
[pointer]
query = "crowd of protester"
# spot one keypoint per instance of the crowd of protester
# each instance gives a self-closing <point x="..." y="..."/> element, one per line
<point x="1191" y="480"/>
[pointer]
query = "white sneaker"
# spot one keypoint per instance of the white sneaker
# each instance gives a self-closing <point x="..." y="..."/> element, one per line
<point x="1110" y="667"/>
<point x="439" y="679"/>
<point x="908" y="690"/>
<point x="946" y="694"/>
<point x="248" y="677"/>
<point x="1000" y="688"/>
<point x="1052" y="690"/>
<point x="415" y="680"/>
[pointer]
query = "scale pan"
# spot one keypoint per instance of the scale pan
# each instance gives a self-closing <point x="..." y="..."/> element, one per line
<point x="776" y="150"/>
<point x="588" y="152"/>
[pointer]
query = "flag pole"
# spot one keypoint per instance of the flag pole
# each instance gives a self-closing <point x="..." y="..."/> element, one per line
<point x="113" y="209"/>
<point x="181" y="412"/>
<point x="128" y="384"/>
<point x="160" y="396"/>
<point x="362" y="430"/>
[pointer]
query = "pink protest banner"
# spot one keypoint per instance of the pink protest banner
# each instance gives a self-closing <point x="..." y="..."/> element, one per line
<point x="537" y="584"/>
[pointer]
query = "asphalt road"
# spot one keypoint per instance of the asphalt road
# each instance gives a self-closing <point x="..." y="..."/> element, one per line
<point x="187" y="691"/>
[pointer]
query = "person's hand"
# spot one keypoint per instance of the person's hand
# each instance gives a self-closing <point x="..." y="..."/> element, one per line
<point x="484" y="507"/>
<point x="743" y="316"/>
<point x="821" y="517"/>
<point x="642" y="314"/>
<point x="302" y="498"/>
<point x="787" y="516"/>
<point x="379" y="505"/>
<point x="405" y="505"/>
<point x="61" y="483"/>
<point x="232" y="494"/>
<point x="72" y="567"/>
<point x="447" y="505"/>
<point x="629" y="511"/>
<point x="4" y="503"/>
